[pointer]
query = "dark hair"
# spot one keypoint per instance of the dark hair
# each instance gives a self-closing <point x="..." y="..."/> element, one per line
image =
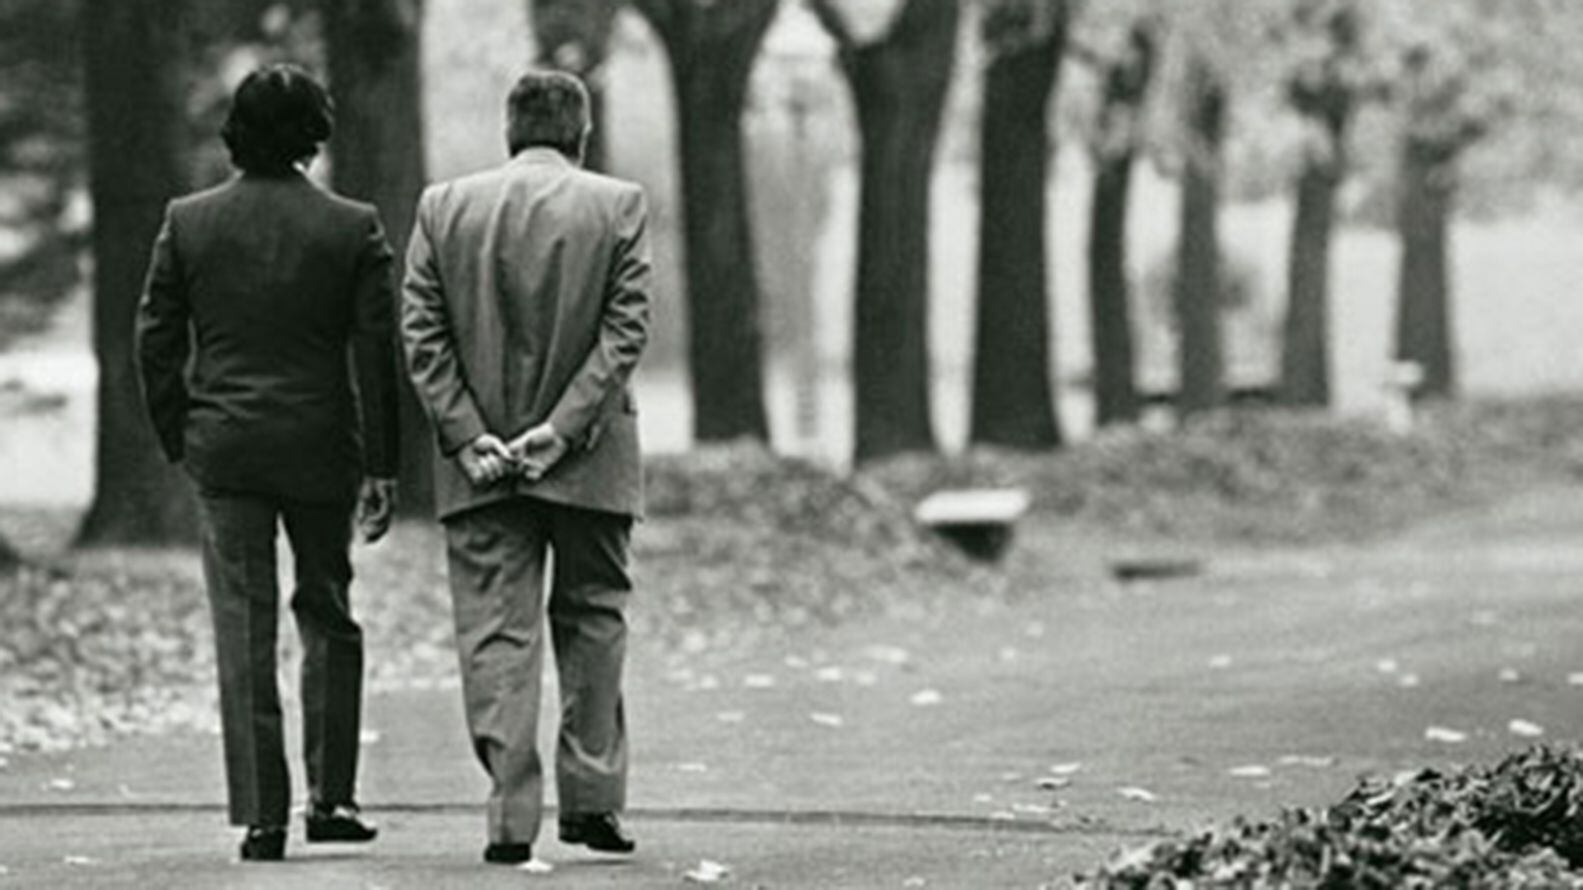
<point x="279" y="115"/>
<point x="548" y="108"/>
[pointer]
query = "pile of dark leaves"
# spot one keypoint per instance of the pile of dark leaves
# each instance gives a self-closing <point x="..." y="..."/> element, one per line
<point x="1276" y="476"/>
<point x="1517" y="824"/>
<point x="743" y="541"/>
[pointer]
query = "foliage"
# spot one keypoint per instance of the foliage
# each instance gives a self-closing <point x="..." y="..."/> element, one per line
<point x="1516" y="824"/>
<point x="1270" y="476"/>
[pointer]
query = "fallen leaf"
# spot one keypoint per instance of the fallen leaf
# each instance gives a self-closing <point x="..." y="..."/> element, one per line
<point x="1510" y="675"/>
<point x="1483" y="618"/>
<point x="887" y="654"/>
<point x="1251" y="771"/>
<point x="1442" y="734"/>
<point x="1052" y="783"/>
<point x="79" y="860"/>
<point x="731" y="716"/>
<point x="1307" y="760"/>
<point x="1032" y="809"/>
<point x="536" y="867"/>
<point x="914" y="881"/>
<point x="1008" y="653"/>
<point x="796" y="662"/>
<point x="707" y="871"/>
<point x="1035" y="630"/>
<point x="832" y="674"/>
<point x="758" y="681"/>
<point x="1525" y="729"/>
<point x="926" y="697"/>
<point x="692" y="767"/>
<point x="823" y="719"/>
<point x="1386" y="666"/>
<point x="1141" y="795"/>
<point x="1220" y="662"/>
<point x="61" y="784"/>
<point x="865" y="678"/>
<point x="1575" y="679"/>
<point x="1408" y="681"/>
<point x="983" y="798"/>
<point x="1066" y="769"/>
<point x="710" y="681"/>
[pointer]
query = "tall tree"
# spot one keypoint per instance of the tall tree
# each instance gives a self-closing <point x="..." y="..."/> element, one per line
<point x="136" y="94"/>
<point x="1125" y="82"/>
<point x="376" y="80"/>
<point x="1442" y="119"/>
<point x="1013" y="404"/>
<point x="898" y="84"/>
<point x="1325" y="91"/>
<point x="574" y="36"/>
<point x="1197" y="283"/>
<point x="712" y="46"/>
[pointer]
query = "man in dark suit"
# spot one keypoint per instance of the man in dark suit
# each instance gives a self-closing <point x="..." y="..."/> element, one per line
<point x="266" y="283"/>
<point x="525" y="309"/>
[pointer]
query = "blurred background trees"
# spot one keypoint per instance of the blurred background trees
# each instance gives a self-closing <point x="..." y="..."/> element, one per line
<point x="923" y="117"/>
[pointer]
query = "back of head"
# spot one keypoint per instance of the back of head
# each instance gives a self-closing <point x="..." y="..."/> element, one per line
<point x="279" y="116"/>
<point x="548" y="109"/>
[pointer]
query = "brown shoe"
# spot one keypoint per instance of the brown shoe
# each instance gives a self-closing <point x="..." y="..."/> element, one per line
<point x="597" y="831"/>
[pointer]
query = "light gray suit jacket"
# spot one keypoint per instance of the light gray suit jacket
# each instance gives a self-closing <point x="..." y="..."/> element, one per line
<point x="526" y="299"/>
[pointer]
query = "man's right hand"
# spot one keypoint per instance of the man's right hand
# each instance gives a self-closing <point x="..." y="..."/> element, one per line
<point x="486" y="460"/>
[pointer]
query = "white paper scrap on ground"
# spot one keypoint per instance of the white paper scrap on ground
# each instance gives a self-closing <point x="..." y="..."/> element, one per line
<point x="1442" y="734"/>
<point x="1308" y="760"/>
<point x="1525" y="729"/>
<point x="707" y="871"/>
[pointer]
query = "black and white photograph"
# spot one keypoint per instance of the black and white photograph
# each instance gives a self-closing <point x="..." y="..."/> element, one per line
<point x="834" y="444"/>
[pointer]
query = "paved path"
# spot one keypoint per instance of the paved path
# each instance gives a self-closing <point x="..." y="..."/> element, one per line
<point x="909" y="749"/>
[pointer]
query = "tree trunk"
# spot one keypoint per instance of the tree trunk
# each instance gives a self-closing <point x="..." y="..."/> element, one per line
<point x="1305" y="359"/>
<point x="712" y="48"/>
<point x="1013" y="404"/>
<point x="1109" y="292"/>
<point x="136" y="98"/>
<point x="899" y="87"/>
<point x="1423" y="321"/>
<point x="574" y="36"/>
<point x="1201" y="385"/>
<point x="377" y="153"/>
<point x="1127" y="83"/>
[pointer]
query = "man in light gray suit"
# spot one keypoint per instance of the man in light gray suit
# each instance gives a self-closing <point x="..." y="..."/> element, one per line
<point x="524" y="310"/>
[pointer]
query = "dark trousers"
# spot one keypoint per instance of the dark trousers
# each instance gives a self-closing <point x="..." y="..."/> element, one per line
<point x="239" y="568"/>
<point x="497" y="559"/>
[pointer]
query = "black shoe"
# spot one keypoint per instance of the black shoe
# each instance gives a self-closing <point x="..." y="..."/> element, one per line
<point x="264" y="844"/>
<point x="340" y="822"/>
<point x="508" y="854"/>
<point x="597" y="831"/>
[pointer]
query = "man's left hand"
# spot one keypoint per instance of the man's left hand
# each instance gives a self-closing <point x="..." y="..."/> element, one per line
<point x="537" y="450"/>
<point x="376" y="503"/>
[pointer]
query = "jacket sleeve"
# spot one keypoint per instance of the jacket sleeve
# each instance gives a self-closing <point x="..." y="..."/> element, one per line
<point x="163" y="341"/>
<point x="374" y="351"/>
<point x="623" y="328"/>
<point x="430" y="347"/>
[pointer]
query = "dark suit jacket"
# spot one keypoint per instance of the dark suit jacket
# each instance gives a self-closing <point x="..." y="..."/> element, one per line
<point x="527" y="299"/>
<point x="266" y="282"/>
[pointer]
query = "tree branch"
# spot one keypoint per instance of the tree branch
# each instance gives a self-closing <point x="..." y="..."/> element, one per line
<point x="834" y="23"/>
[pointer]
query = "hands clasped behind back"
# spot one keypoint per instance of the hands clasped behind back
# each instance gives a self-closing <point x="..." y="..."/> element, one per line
<point x="489" y="459"/>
